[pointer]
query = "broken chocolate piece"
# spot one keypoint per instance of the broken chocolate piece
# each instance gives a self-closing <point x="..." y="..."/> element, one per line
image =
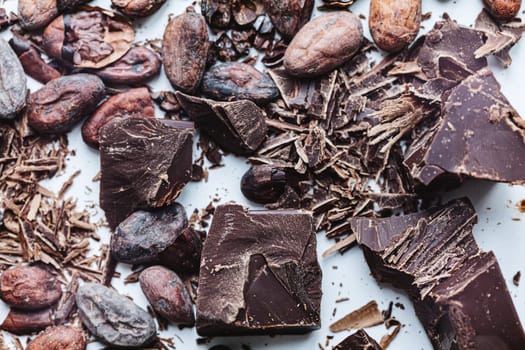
<point x="239" y="126"/>
<point x="459" y="292"/>
<point x="145" y="163"/>
<point x="259" y="273"/>
<point x="481" y="135"/>
<point x="360" y="340"/>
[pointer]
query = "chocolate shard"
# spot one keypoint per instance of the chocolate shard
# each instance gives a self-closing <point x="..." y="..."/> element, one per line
<point x="480" y="135"/>
<point x="239" y="126"/>
<point x="259" y="273"/>
<point x="360" y="340"/>
<point x="459" y="292"/>
<point x="145" y="163"/>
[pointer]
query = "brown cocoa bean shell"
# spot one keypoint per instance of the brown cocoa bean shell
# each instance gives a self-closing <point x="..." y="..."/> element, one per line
<point x="63" y="102"/>
<point x="59" y="338"/>
<point x="137" y="8"/>
<point x="184" y="51"/>
<point x="503" y="10"/>
<point x="29" y="288"/>
<point x="136" y="67"/>
<point x="167" y="294"/>
<point x="36" y="14"/>
<point x="288" y="16"/>
<point x="238" y="81"/>
<point x="130" y="103"/>
<point x="324" y="44"/>
<point x="394" y="24"/>
<point x="92" y="38"/>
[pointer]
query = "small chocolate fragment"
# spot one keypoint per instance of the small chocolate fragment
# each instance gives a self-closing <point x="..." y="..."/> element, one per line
<point x="145" y="234"/>
<point x="238" y="81"/>
<point x="130" y="103"/>
<point x="458" y="291"/>
<point x="184" y="255"/>
<point x="13" y="83"/>
<point x="136" y="67"/>
<point x="59" y="338"/>
<point x="480" y="135"/>
<point x="360" y="340"/>
<point x="259" y="273"/>
<point x="238" y="127"/>
<point x="145" y="163"/>
<point x="113" y="318"/>
<point x="29" y="288"/>
<point x="167" y="294"/>
<point x="516" y="279"/>
<point x="218" y="13"/>
<point x="366" y="316"/>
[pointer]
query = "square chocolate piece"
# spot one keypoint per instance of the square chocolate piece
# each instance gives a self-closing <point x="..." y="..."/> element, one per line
<point x="259" y="273"/>
<point x="145" y="163"/>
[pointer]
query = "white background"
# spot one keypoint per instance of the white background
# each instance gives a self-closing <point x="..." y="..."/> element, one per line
<point x="496" y="205"/>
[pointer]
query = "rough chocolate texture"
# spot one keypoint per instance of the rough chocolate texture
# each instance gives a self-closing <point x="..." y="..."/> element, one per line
<point x="480" y="135"/>
<point x="237" y="126"/>
<point x="360" y="340"/>
<point x="145" y="163"/>
<point x="259" y="274"/>
<point x="459" y="292"/>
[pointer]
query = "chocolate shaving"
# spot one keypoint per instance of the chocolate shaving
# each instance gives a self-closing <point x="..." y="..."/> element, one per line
<point x="364" y="317"/>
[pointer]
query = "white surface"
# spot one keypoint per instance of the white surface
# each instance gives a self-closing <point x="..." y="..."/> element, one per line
<point x="495" y="203"/>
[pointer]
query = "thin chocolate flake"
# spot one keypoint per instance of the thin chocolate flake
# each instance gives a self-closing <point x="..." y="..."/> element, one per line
<point x="366" y="316"/>
<point x="387" y="339"/>
<point x="516" y="279"/>
<point x="342" y="244"/>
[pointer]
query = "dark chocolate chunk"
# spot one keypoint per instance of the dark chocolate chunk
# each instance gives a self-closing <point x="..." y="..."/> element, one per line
<point x="480" y="135"/>
<point x="145" y="163"/>
<point x="458" y="291"/>
<point x="259" y="273"/>
<point x="239" y="126"/>
<point x="360" y="340"/>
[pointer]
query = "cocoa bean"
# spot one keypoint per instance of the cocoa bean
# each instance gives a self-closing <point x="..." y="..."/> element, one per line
<point x="288" y="16"/>
<point x="503" y="10"/>
<point x="13" y="84"/>
<point x="59" y="338"/>
<point x="33" y="64"/>
<point x="137" y="8"/>
<point x="36" y="14"/>
<point x="218" y="13"/>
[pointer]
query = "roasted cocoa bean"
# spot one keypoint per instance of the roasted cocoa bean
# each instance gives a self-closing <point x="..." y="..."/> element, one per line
<point x="93" y="38"/>
<point x="263" y="183"/>
<point x="137" y="8"/>
<point x="13" y="84"/>
<point x="324" y="44"/>
<point x="113" y="318"/>
<point x="184" y="255"/>
<point x="145" y="234"/>
<point x="36" y="14"/>
<point x="167" y="294"/>
<point x="33" y="64"/>
<point x="136" y="67"/>
<point x="185" y="50"/>
<point x="131" y="103"/>
<point x="26" y="322"/>
<point x="63" y="102"/>
<point x="394" y="24"/>
<point x="246" y="11"/>
<point x="288" y="16"/>
<point x="69" y="5"/>
<point x="238" y="81"/>
<point x="29" y="288"/>
<point x="218" y="13"/>
<point x="503" y="10"/>
<point x="59" y="338"/>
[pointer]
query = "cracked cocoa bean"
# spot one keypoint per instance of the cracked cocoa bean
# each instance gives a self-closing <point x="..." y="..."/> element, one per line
<point x="13" y="84"/>
<point x="185" y="50"/>
<point x="288" y="16"/>
<point x="59" y="338"/>
<point x="143" y="235"/>
<point x="324" y="44"/>
<point x="394" y="24"/>
<point x="137" y="8"/>
<point x="218" y="13"/>
<point x="503" y="10"/>
<point x="32" y="61"/>
<point x="130" y="103"/>
<point x="29" y="288"/>
<point x="113" y="318"/>
<point x="167" y="294"/>
<point x="36" y="14"/>
<point x="136" y="67"/>
<point x="263" y="183"/>
<point x="238" y="81"/>
<point x="63" y="102"/>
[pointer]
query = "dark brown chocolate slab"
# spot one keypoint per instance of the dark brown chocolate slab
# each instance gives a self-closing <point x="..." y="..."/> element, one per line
<point x="458" y="291"/>
<point x="238" y="126"/>
<point x="360" y="340"/>
<point x="480" y="135"/>
<point x="259" y="273"/>
<point x="145" y="163"/>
